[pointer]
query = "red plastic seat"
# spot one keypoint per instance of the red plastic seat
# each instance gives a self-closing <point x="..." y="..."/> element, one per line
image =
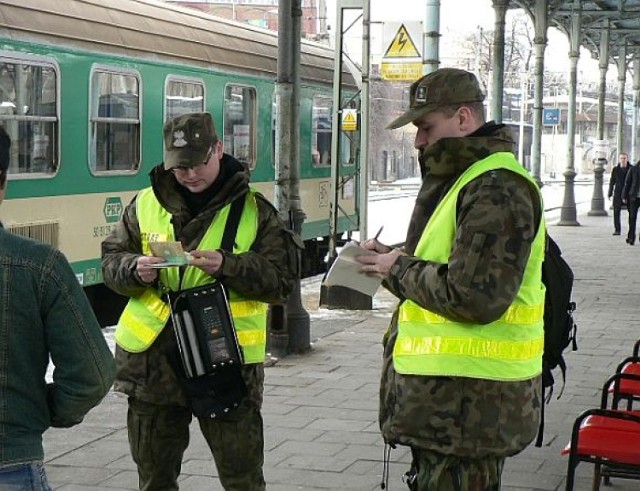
<point x="631" y="387"/>
<point x="605" y="437"/>
<point x="609" y="438"/>
<point x="627" y="388"/>
<point x="607" y="423"/>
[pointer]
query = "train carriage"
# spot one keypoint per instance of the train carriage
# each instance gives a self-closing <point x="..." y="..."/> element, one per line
<point x="86" y="85"/>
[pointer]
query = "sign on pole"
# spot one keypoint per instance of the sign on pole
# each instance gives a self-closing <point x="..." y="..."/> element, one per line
<point x="551" y="116"/>
<point x="349" y="119"/>
<point x="402" y="61"/>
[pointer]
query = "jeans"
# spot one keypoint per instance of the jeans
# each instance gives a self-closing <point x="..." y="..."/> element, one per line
<point x="28" y="476"/>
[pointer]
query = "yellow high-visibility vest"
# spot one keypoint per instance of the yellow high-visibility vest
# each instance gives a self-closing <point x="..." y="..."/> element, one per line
<point x="145" y="316"/>
<point x="507" y="349"/>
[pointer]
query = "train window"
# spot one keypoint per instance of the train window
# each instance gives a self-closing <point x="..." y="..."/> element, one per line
<point x="321" y="115"/>
<point x="29" y="113"/>
<point x="114" y="143"/>
<point x="239" y="133"/>
<point x="182" y="97"/>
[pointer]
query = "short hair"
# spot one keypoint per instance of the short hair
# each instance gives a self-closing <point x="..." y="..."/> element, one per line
<point x="5" y="145"/>
<point x="476" y="107"/>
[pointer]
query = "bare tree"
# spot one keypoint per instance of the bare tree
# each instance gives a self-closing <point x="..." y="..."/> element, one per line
<point x="475" y="50"/>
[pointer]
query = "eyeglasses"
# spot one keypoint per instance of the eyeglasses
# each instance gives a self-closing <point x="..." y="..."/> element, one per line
<point x="184" y="169"/>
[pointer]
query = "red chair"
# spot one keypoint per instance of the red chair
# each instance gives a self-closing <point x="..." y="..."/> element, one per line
<point x="627" y="389"/>
<point x="608" y="438"/>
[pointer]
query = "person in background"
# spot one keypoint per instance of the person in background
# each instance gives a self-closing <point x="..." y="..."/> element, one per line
<point x="43" y="314"/>
<point x="631" y="197"/>
<point x="470" y="290"/>
<point x="616" y="186"/>
<point x="189" y="200"/>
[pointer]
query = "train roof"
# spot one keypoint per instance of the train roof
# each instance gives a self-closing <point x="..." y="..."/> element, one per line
<point x="155" y="30"/>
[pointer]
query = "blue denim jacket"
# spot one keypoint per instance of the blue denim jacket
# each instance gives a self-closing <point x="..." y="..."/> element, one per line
<point x="44" y="312"/>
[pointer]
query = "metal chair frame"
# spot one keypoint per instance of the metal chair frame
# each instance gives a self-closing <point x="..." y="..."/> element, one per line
<point x="621" y="460"/>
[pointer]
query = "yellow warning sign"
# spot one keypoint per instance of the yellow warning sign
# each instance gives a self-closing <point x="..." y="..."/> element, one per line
<point x="398" y="72"/>
<point x="402" y="45"/>
<point x="350" y="120"/>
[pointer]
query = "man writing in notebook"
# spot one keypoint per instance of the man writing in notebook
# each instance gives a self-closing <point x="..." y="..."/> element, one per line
<point x="463" y="354"/>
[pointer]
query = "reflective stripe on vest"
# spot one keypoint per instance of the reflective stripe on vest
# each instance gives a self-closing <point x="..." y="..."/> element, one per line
<point x="136" y="330"/>
<point x="507" y="349"/>
<point x="136" y="327"/>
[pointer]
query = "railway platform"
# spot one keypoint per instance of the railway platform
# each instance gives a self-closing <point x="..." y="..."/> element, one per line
<point x="320" y="408"/>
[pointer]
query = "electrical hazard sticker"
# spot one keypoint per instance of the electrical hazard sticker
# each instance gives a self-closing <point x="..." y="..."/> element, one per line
<point x="402" y="62"/>
<point x="402" y="45"/>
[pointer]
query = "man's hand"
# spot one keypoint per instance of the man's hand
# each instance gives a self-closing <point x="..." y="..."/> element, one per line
<point x="374" y="245"/>
<point x="208" y="261"/>
<point x="146" y="273"/>
<point x="380" y="264"/>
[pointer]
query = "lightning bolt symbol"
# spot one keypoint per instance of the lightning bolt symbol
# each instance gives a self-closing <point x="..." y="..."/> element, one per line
<point x="401" y="41"/>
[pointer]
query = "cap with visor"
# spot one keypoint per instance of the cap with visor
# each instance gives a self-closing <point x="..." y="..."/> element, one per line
<point x="444" y="87"/>
<point x="188" y="139"/>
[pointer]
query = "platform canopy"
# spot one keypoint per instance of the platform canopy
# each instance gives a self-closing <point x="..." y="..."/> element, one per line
<point x="621" y="17"/>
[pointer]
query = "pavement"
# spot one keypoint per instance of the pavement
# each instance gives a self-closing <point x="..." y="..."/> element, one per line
<point x="320" y="408"/>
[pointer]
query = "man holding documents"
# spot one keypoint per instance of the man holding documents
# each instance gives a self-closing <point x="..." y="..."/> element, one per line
<point x="184" y="214"/>
<point x="462" y="361"/>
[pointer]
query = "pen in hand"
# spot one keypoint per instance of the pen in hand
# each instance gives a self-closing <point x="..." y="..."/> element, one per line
<point x="375" y="237"/>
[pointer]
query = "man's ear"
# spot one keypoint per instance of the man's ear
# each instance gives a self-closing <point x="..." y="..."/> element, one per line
<point x="467" y="120"/>
<point x="219" y="148"/>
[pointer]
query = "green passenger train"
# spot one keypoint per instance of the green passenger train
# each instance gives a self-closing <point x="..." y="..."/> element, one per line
<point x="86" y="85"/>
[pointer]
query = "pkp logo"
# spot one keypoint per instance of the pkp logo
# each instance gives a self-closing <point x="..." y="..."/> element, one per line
<point x="112" y="209"/>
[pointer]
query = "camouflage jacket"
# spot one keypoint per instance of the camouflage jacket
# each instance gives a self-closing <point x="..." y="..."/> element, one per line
<point x="267" y="272"/>
<point x="497" y="217"/>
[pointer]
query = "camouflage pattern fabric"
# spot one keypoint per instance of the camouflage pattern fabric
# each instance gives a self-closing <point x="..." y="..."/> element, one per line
<point x="497" y="215"/>
<point x="188" y="139"/>
<point x="267" y="273"/>
<point x="437" y="472"/>
<point x="443" y="87"/>
<point x="159" y="435"/>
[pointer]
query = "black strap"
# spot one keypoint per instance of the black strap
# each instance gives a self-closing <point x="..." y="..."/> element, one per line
<point x="233" y="221"/>
<point x="541" y="427"/>
<point x="230" y="229"/>
<point x="410" y="478"/>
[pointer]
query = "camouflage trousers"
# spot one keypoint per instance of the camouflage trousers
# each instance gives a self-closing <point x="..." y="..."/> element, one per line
<point x="437" y="472"/>
<point x="159" y="435"/>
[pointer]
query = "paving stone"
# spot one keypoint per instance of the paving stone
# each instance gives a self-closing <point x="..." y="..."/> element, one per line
<point x="321" y="408"/>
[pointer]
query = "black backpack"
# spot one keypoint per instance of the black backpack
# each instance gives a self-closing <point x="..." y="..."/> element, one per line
<point x="559" y="327"/>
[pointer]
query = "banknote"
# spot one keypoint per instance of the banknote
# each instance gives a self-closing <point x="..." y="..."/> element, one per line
<point x="172" y="252"/>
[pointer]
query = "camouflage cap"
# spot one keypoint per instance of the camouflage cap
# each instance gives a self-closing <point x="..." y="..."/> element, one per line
<point x="444" y="87"/>
<point x="187" y="139"/>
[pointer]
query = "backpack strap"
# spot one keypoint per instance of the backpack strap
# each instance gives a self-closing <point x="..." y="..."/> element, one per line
<point x="541" y="427"/>
<point x="233" y="221"/>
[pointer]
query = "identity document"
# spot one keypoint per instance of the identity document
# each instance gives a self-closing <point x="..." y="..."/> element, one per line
<point x="345" y="271"/>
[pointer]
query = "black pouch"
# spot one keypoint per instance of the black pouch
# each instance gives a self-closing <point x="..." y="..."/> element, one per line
<point x="209" y="359"/>
<point x="212" y="395"/>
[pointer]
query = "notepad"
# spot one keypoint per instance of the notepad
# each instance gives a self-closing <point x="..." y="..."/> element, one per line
<point x="345" y="271"/>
